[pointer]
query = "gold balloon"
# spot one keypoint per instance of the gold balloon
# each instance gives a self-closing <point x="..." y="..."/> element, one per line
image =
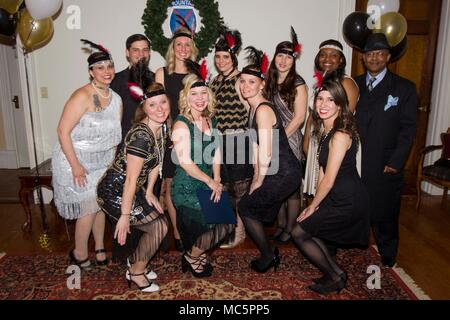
<point x="34" y="33"/>
<point x="394" y="26"/>
<point x="10" y="5"/>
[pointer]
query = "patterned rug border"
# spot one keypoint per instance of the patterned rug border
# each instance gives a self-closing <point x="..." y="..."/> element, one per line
<point x="407" y="282"/>
<point x="403" y="280"/>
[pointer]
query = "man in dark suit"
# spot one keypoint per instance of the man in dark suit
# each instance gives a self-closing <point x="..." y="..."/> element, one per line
<point x="137" y="48"/>
<point x="386" y="116"/>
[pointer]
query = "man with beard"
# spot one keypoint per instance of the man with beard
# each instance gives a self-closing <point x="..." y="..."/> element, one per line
<point x="138" y="50"/>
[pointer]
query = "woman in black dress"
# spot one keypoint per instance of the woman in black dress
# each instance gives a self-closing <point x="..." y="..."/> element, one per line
<point x="181" y="47"/>
<point x="339" y="211"/>
<point x="277" y="170"/>
<point x="122" y="195"/>
<point x="288" y="92"/>
<point x="232" y="121"/>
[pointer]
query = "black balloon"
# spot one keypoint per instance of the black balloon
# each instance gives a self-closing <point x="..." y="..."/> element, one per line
<point x="399" y="50"/>
<point x="7" y="25"/>
<point x="355" y="29"/>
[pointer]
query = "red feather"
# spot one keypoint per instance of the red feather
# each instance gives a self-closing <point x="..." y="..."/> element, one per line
<point x="135" y="91"/>
<point x="318" y="75"/>
<point x="230" y="40"/>
<point x="103" y="48"/>
<point x="298" y="48"/>
<point x="203" y="70"/>
<point x="264" y="63"/>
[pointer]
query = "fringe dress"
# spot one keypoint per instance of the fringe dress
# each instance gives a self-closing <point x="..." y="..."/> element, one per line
<point x="94" y="138"/>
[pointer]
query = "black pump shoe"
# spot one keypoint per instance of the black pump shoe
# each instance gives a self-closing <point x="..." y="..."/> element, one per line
<point x="275" y="262"/>
<point x="279" y="239"/>
<point x="101" y="262"/>
<point x="328" y="286"/>
<point x="276" y="234"/>
<point x="323" y="279"/>
<point x="179" y="245"/>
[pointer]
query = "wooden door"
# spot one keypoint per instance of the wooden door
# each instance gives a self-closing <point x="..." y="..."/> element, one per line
<point x="417" y="65"/>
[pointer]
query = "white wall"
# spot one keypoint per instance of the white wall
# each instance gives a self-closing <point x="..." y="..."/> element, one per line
<point x="61" y="65"/>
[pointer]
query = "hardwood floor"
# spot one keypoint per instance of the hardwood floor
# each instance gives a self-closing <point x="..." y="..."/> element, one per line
<point x="424" y="251"/>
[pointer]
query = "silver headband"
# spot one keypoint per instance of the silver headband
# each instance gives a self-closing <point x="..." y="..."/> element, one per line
<point x="330" y="46"/>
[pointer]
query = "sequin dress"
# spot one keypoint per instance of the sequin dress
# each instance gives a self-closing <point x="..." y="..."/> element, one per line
<point x="94" y="139"/>
<point x="190" y="219"/>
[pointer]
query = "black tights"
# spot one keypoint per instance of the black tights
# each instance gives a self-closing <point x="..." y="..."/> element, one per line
<point x="255" y="229"/>
<point x="287" y="216"/>
<point x="316" y="252"/>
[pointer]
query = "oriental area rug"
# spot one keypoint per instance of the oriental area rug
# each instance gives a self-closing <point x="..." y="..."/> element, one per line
<point x="44" y="277"/>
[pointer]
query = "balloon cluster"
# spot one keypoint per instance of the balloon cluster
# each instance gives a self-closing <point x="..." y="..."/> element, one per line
<point x="381" y="17"/>
<point x="31" y="19"/>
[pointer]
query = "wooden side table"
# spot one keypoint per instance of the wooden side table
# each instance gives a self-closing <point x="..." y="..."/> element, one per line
<point x="28" y="183"/>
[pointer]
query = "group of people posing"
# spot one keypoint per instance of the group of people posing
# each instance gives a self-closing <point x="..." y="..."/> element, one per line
<point x="125" y="137"/>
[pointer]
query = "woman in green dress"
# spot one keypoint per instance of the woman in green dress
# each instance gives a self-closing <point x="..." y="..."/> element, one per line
<point x="198" y="167"/>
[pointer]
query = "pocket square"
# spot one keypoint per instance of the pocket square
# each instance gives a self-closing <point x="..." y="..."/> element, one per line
<point x="391" y="102"/>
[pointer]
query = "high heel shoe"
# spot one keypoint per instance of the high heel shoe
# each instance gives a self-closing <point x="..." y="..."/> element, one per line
<point x="151" y="287"/>
<point x="150" y="274"/>
<point x="276" y="234"/>
<point x="84" y="264"/>
<point x="101" y="262"/>
<point x="280" y="240"/>
<point x="275" y="262"/>
<point x="195" y="266"/>
<point x="329" y="286"/>
<point x="179" y="245"/>
<point x="323" y="279"/>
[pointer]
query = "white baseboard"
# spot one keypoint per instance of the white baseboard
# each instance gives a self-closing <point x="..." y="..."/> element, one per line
<point x="8" y="159"/>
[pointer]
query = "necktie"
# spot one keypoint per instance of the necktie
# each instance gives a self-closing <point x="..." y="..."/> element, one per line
<point x="370" y="85"/>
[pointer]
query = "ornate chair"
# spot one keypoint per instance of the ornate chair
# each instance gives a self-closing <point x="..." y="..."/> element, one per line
<point x="437" y="173"/>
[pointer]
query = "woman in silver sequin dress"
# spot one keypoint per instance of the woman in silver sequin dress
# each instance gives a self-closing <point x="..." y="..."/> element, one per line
<point x="89" y="131"/>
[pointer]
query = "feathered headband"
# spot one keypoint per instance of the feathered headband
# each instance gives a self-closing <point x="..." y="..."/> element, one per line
<point x="258" y="60"/>
<point x="296" y="46"/>
<point x="230" y="41"/>
<point x="183" y="24"/>
<point x="95" y="57"/>
<point x="200" y="70"/>
<point x="137" y="93"/>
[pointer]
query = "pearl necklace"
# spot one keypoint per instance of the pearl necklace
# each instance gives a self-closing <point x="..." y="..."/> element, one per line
<point x="97" y="90"/>
<point x="160" y="150"/>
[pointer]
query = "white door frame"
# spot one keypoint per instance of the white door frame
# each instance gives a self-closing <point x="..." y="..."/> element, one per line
<point x="8" y="156"/>
<point x="27" y="68"/>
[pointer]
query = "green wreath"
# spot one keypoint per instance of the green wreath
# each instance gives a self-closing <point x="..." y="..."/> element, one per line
<point x="156" y="13"/>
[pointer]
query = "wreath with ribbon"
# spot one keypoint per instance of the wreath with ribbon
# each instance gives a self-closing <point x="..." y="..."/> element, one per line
<point x="155" y="14"/>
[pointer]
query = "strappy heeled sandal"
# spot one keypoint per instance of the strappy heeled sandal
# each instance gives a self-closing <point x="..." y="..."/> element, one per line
<point x="151" y="287"/>
<point x="84" y="264"/>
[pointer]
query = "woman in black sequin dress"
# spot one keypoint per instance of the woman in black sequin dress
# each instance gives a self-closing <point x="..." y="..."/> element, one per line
<point x="122" y="195"/>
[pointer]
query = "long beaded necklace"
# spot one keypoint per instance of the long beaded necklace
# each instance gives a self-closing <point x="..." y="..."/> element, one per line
<point x="160" y="150"/>
<point x="319" y="149"/>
